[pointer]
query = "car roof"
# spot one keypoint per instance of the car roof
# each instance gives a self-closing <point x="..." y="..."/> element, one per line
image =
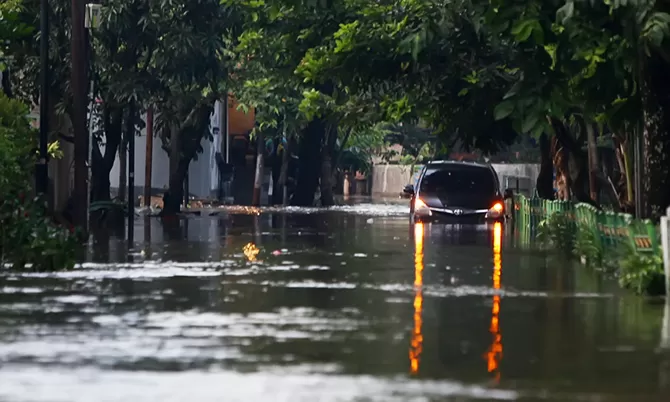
<point x="440" y="163"/>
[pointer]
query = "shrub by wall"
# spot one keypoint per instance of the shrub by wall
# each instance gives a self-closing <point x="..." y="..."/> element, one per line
<point x="603" y="239"/>
<point x="28" y="236"/>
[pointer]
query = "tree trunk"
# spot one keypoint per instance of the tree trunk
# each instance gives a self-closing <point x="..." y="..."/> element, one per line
<point x="578" y="180"/>
<point x="656" y="98"/>
<point x="123" y="170"/>
<point x="148" y="156"/>
<point x="626" y="180"/>
<point x="173" y="198"/>
<point x="101" y="165"/>
<point x="258" y="178"/>
<point x="544" y="184"/>
<point x="327" y="196"/>
<point x="6" y="83"/>
<point x="309" y="163"/>
<point x="184" y="144"/>
<point x="592" y="160"/>
<point x="561" y="165"/>
<point x="283" y="175"/>
<point x="276" y="169"/>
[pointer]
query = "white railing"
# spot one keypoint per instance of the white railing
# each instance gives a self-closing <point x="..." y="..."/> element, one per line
<point x="665" y="243"/>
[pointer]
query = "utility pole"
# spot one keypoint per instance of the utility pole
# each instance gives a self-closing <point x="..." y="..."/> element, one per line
<point x="226" y="107"/>
<point x="258" y="179"/>
<point x="130" y="133"/>
<point x="42" y="167"/>
<point x="91" y="21"/>
<point x="78" y="83"/>
<point x="123" y="169"/>
<point x="149" y="157"/>
<point x="186" y="190"/>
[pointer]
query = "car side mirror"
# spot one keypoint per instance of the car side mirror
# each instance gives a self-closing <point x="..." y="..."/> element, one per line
<point x="409" y="189"/>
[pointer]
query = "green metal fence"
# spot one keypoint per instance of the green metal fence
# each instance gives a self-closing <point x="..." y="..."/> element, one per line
<point x="609" y="230"/>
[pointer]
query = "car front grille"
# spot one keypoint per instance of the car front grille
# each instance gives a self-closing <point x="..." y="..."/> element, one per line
<point x="464" y="219"/>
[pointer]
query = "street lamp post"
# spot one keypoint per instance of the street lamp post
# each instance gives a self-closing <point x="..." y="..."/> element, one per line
<point x="78" y="84"/>
<point x="42" y="168"/>
<point x="91" y="21"/>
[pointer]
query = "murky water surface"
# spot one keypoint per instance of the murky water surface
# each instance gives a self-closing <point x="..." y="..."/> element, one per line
<point x="350" y="304"/>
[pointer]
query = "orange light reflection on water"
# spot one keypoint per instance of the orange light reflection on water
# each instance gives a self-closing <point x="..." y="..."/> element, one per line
<point x="251" y="251"/>
<point x="494" y="354"/>
<point x="416" y="346"/>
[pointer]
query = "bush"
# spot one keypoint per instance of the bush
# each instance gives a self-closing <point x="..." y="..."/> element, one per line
<point x="558" y="231"/>
<point x="643" y="273"/>
<point x="586" y="245"/>
<point x="27" y="234"/>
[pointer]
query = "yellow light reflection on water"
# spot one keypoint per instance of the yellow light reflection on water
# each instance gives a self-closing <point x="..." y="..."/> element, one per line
<point x="416" y="345"/>
<point x="251" y="251"/>
<point x="494" y="354"/>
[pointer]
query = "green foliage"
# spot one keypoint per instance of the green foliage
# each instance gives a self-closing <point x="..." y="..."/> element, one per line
<point x="11" y="27"/>
<point x="586" y="245"/>
<point x="642" y="273"/>
<point x="558" y="231"/>
<point x="27" y="234"/>
<point x="362" y="144"/>
<point x="29" y="237"/>
<point x="639" y="270"/>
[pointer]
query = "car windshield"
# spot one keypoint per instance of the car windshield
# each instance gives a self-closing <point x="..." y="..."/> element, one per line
<point x="472" y="180"/>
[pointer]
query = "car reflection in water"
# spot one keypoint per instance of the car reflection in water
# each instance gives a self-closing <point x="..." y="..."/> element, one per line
<point x="417" y="337"/>
<point x="495" y="352"/>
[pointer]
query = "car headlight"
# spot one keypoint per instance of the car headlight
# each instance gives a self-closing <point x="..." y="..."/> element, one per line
<point x="420" y="208"/>
<point x="496" y="211"/>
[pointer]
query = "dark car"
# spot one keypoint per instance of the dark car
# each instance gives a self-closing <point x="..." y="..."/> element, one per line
<point x="459" y="192"/>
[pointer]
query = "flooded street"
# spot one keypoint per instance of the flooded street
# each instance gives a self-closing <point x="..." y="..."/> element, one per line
<point x="349" y="304"/>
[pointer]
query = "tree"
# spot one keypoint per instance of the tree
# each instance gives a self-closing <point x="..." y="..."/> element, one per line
<point x="483" y="72"/>
<point x="123" y="50"/>
<point x="12" y="30"/>
<point x="604" y="56"/>
<point x="191" y="63"/>
<point x="279" y="42"/>
<point x="27" y="234"/>
<point x="426" y="60"/>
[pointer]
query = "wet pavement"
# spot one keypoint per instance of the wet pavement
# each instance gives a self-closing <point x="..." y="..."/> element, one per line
<point x="350" y="304"/>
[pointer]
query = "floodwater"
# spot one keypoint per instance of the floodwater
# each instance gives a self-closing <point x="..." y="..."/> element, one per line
<point x="350" y="304"/>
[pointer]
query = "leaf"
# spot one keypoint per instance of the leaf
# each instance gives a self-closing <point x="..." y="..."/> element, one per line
<point x="566" y="12"/>
<point x="538" y="34"/>
<point x="513" y="91"/>
<point x="519" y="27"/>
<point x="503" y="110"/>
<point x="529" y="122"/>
<point x="524" y="28"/>
<point x="463" y="92"/>
<point x="538" y="130"/>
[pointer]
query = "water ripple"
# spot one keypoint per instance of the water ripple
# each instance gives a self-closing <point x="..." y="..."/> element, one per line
<point x="86" y="384"/>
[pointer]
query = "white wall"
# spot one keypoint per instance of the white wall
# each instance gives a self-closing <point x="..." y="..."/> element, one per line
<point x="390" y="179"/>
<point x="203" y="172"/>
